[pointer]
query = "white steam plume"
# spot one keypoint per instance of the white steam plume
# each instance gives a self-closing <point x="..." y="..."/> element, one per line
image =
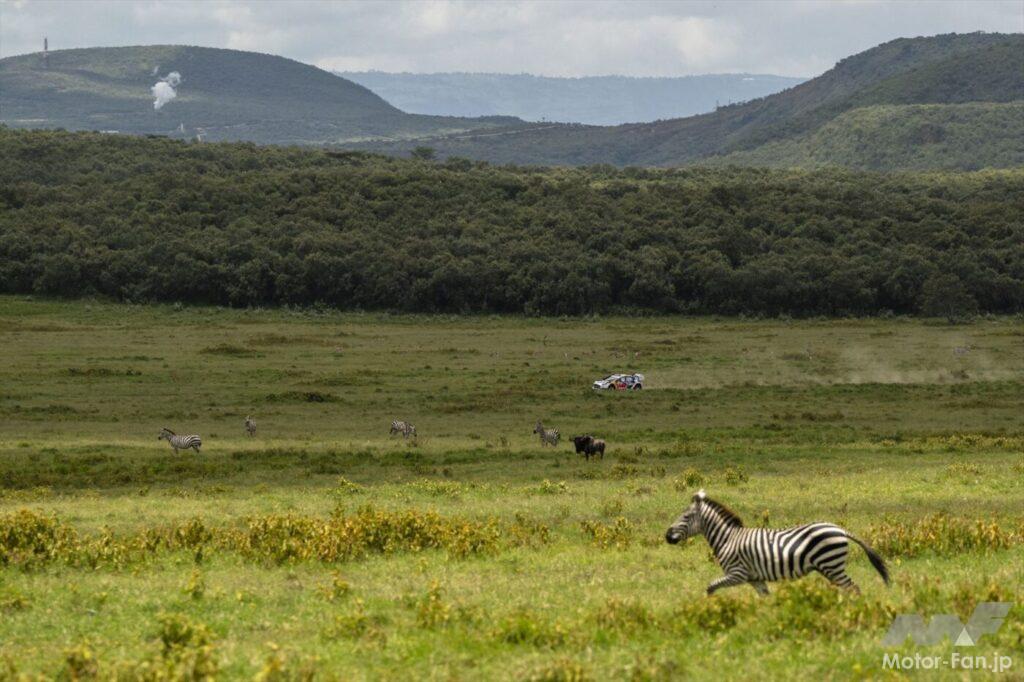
<point x="164" y="91"/>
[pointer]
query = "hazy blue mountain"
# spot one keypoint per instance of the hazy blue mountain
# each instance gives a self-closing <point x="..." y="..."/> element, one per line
<point x="968" y="82"/>
<point x="598" y="100"/>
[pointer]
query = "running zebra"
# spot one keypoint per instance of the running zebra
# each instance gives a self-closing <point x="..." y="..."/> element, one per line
<point x="760" y="555"/>
<point x="547" y="436"/>
<point x="404" y="428"/>
<point x="180" y="442"/>
<point x="250" y="426"/>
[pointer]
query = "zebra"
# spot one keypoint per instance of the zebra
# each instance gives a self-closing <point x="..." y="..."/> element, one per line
<point x="547" y="436"/>
<point x="405" y="428"/>
<point x="180" y="442"/>
<point x="760" y="555"/>
<point x="250" y="426"/>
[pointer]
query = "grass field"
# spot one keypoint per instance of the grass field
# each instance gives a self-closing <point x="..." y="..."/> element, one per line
<point x="323" y="548"/>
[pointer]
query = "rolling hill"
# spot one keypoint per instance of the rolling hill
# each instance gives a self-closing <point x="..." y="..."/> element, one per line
<point x="597" y="100"/>
<point x="966" y="136"/>
<point x="226" y="94"/>
<point x="943" y="70"/>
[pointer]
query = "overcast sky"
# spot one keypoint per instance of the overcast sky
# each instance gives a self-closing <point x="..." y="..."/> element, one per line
<point x="583" y="38"/>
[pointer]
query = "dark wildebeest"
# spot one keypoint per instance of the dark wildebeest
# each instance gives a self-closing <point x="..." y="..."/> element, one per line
<point x="582" y="443"/>
<point x="596" y="447"/>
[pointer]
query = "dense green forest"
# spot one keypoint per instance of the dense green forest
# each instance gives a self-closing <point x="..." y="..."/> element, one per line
<point x="138" y="219"/>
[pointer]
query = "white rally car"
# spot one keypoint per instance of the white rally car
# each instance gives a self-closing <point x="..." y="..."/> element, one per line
<point x="620" y="382"/>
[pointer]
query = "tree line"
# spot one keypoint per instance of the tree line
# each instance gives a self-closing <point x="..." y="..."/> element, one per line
<point x="135" y="219"/>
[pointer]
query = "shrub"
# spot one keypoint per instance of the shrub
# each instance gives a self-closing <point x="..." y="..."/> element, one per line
<point x="943" y="535"/>
<point x="962" y="470"/>
<point x="11" y="601"/>
<point x="450" y="489"/>
<point x="351" y="625"/>
<point x="527" y="627"/>
<point x="624" y="615"/>
<point x="196" y="586"/>
<point x="548" y="488"/>
<point x="524" y="532"/>
<point x="337" y="588"/>
<point x="347" y="487"/>
<point x="27" y="537"/>
<point x="277" y="668"/>
<point x="688" y="480"/>
<point x="282" y="538"/>
<point x="431" y="609"/>
<point x="612" y="508"/>
<point x="177" y="633"/>
<point x="562" y="670"/>
<point x="810" y="609"/>
<point x="230" y="350"/>
<point x="618" y="534"/>
<point x="735" y="476"/>
<point x="700" y="614"/>
<point x="80" y="664"/>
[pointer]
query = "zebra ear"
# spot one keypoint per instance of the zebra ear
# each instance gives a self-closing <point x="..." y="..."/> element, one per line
<point x="700" y="495"/>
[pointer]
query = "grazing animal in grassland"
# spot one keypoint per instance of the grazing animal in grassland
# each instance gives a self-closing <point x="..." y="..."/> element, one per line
<point x="588" y="445"/>
<point x="582" y="443"/>
<point x="180" y="442"/>
<point x="250" y="426"/>
<point x="402" y="427"/>
<point x="760" y="555"/>
<point x="547" y="436"/>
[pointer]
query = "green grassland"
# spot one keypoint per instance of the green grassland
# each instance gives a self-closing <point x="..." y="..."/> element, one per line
<point x="912" y="137"/>
<point x="323" y="548"/>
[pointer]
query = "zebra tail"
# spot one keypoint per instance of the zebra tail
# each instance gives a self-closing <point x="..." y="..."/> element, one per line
<point x="874" y="557"/>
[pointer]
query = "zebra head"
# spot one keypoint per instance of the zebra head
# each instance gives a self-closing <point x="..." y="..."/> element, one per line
<point x="539" y="428"/>
<point x="165" y="434"/>
<point x="690" y="523"/>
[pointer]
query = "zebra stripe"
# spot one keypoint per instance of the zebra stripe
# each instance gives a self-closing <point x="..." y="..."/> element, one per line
<point x="547" y="436"/>
<point x="180" y="442"/>
<point x="760" y="555"/>
<point x="402" y="427"/>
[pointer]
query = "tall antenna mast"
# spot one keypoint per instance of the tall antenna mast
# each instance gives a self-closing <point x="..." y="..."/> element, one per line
<point x="46" y="52"/>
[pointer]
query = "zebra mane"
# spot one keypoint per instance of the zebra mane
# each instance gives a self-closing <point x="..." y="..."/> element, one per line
<point x="728" y="515"/>
<point x="168" y="431"/>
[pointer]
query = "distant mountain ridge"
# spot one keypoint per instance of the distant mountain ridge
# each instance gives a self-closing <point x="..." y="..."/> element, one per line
<point x="940" y="70"/>
<point x="941" y="102"/>
<point x="224" y="94"/>
<point x="594" y="100"/>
